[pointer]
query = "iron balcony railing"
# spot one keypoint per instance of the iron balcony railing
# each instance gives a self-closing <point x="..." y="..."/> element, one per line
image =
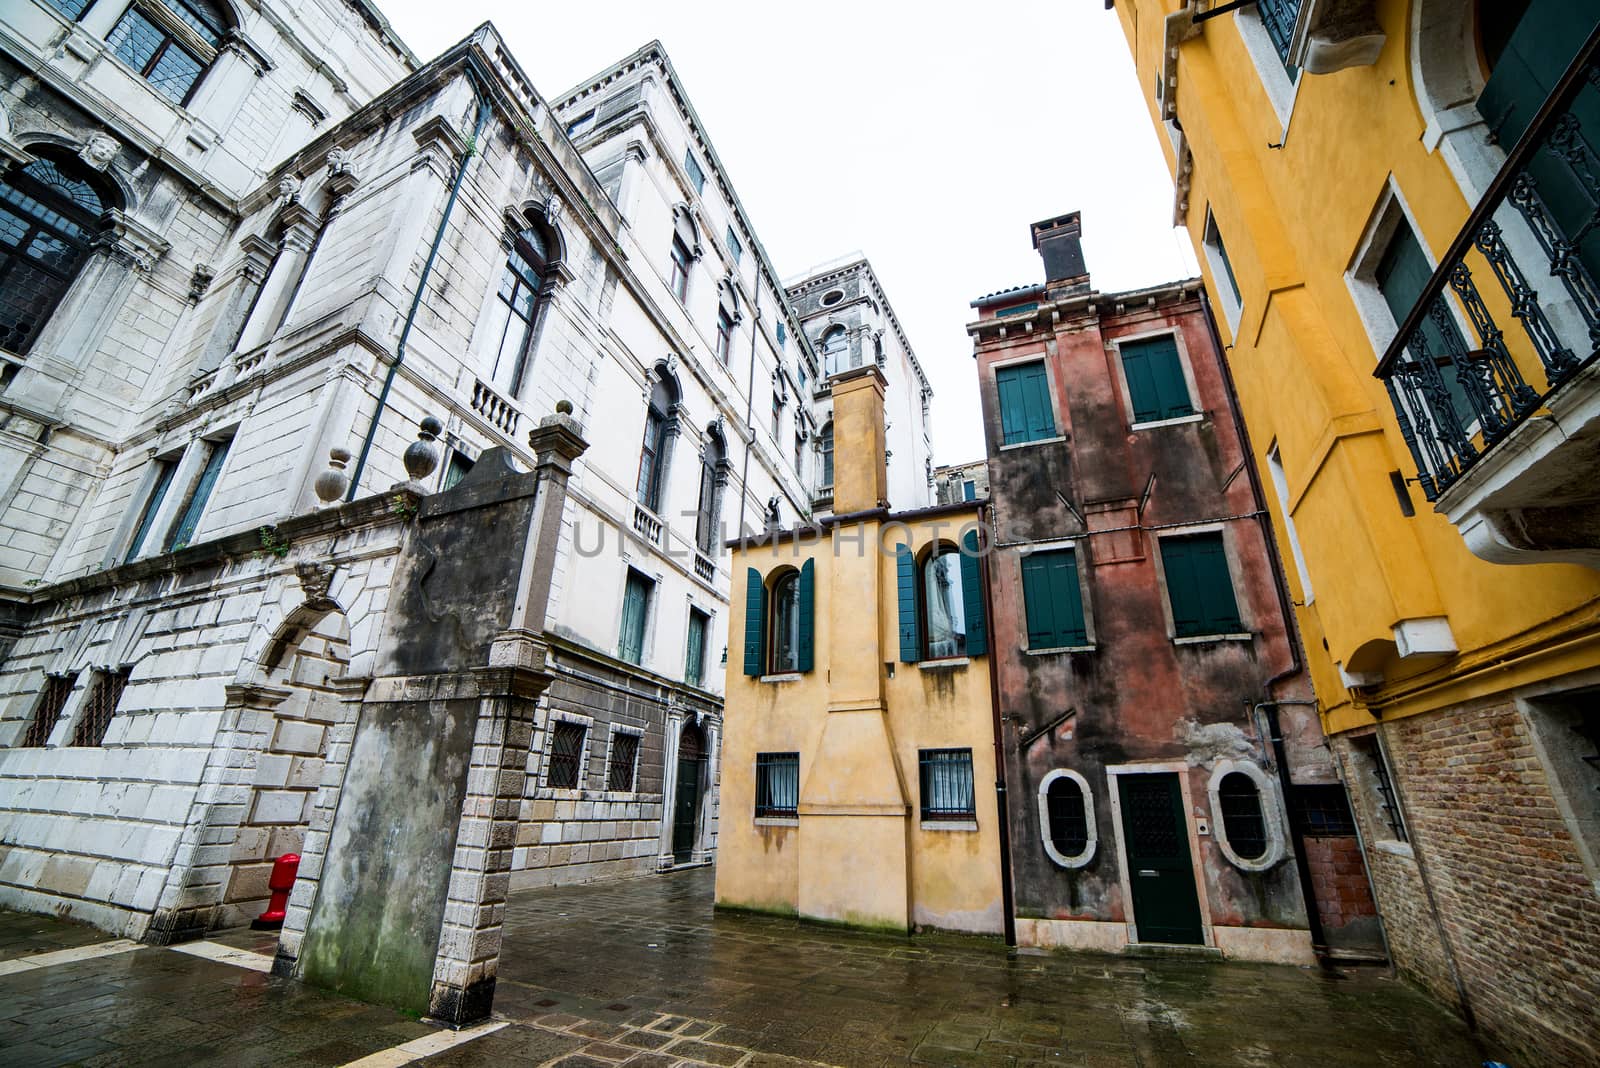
<point x="1455" y="402"/>
<point x="1278" y="16"/>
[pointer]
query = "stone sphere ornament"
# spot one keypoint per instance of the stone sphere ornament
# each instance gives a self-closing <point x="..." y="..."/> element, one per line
<point x="421" y="458"/>
<point x="333" y="482"/>
<point x="563" y="407"/>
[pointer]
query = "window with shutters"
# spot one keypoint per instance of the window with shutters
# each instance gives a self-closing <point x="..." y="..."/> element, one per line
<point x="694" y="654"/>
<point x="1053" y="600"/>
<point x="1200" y="587"/>
<point x="47" y="713"/>
<point x="1158" y="391"/>
<point x="160" y="482"/>
<point x="104" y="696"/>
<point x="780" y="621"/>
<point x="940" y="602"/>
<point x="1023" y="392"/>
<point x="635" y="611"/>
<point x="943" y="608"/>
<point x="945" y="776"/>
<point x="199" y="495"/>
<point x="1066" y="816"/>
<point x="623" y="764"/>
<point x="777" y="785"/>
<point x="564" y="765"/>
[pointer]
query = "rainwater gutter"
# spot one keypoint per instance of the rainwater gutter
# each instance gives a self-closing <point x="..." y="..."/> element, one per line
<point x="1007" y="904"/>
<point x="1302" y="867"/>
<point x="422" y="287"/>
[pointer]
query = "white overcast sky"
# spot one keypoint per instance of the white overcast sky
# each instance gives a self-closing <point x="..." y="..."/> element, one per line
<point x="927" y="136"/>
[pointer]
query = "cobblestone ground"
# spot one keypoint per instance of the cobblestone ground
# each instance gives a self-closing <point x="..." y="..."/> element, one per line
<point x="641" y="973"/>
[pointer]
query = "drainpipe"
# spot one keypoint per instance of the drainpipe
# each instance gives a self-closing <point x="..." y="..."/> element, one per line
<point x="750" y="410"/>
<point x="1004" y="823"/>
<point x="422" y="286"/>
<point x="1302" y="867"/>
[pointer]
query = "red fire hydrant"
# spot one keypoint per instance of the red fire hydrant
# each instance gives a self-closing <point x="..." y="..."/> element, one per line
<point x="280" y="883"/>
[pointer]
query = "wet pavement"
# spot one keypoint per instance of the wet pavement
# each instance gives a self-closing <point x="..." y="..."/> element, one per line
<point x="642" y="973"/>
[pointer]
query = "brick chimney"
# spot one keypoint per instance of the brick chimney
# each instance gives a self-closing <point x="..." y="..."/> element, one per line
<point x="860" y="475"/>
<point x="1060" y="246"/>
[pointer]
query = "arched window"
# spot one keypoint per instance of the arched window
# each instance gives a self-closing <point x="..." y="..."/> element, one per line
<point x="944" y="632"/>
<point x="653" y="452"/>
<point x="514" y="322"/>
<point x="680" y="268"/>
<point x="825" y="440"/>
<point x="783" y="643"/>
<point x="1066" y="817"/>
<point x="835" y="350"/>
<point x="169" y="42"/>
<point x="1242" y="819"/>
<point x="706" y="514"/>
<point x="50" y="213"/>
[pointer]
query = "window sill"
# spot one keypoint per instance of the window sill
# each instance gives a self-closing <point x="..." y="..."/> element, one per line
<point x="947" y="663"/>
<point x="1202" y="639"/>
<point x="1056" y="650"/>
<point x="1035" y="441"/>
<point x="950" y="825"/>
<point x="1176" y="421"/>
<point x="777" y="821"/>
<point x="1398" y="849"/>
<point x="773" y="680"/>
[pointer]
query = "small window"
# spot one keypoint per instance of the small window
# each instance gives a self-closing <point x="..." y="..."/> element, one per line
<point x="195" y="507"/>
<point x="784" y="641"/>
<point x="1374" y="766"/>
<point x="680" y="269"/>
<point x="724" y="336"/>
<point x="777" y="416"/>
<point x="1199" y="586"/>
<point x="697" y="177"/>
<point x="825" y="445"/>
<point x="1067" y="816"/>
<point x="799" y="456"/>
<point x="623" y="763"/>
<point x="580" y="122"/>
<point x="1024" y="394"/>
<point x="777" y="785"/>
<point x="52" y="700"/>
<point x="1053" y="600"/>
<point x="1322" y="810"/>
<point x="835" y="350"/>
<point x="566" y="755"/>
<point x="832" y="297"/>
<point x="635" y="610"/>
<point x="694" y="656"/>
<point x="152" y="504"/>
<point x="1280" y="487"/>
<point x="1222" y="272"/>
<point x="783" y="336"/>
<point x="736" y="250"/>
<point x="946" y="779"/>
<point x="943" y="605"/>
<point x="1242" y="819"/>
<point x="104" y="697"/>
<point x="1157" y="389"/>
<point x="969" y="490"/>
<point x="460" y="463"/>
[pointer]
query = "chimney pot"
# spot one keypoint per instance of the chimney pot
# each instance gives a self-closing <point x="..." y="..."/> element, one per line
<point x="1060" y="245"/>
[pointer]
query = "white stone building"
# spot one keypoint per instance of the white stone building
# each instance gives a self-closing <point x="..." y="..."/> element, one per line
<point x="264" y="248"/>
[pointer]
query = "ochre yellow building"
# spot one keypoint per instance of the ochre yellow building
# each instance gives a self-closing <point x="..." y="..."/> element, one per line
<point x="858" y="753"/>
<point x="1361" y="176"/>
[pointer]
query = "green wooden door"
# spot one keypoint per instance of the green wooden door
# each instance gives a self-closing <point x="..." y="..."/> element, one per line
<point x="686" y="802"/>
<point x="1166" y="907"/>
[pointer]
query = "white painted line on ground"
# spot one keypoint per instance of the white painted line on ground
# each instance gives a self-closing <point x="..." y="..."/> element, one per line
<point x="242" y="958"/>
<point x="426" y="1046"/>
<point x="67" y="956"/>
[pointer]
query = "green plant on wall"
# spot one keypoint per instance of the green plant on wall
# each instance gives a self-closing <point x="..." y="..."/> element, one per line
<point x="273" y="543"/>
<point x="402" y="506"/>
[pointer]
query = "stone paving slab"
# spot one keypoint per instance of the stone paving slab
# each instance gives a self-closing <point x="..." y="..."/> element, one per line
<point x="25" y="935"/>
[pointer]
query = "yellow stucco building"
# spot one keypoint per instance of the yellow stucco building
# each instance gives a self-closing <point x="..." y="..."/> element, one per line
<point x="1389" y="200"/>
<point x="858" y="753"/>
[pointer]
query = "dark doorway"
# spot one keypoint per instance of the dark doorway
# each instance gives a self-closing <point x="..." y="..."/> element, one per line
<point x="686" y="805"/>
<point x="1166" y="907"/>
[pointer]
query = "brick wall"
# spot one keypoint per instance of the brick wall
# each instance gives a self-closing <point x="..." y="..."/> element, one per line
<point x="1344" y="900"/>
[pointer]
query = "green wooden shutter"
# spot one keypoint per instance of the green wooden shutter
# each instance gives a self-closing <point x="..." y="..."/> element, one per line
<point x="1052" y="600"/>
<point x="1013" y="421"/>
<point x="631" y="645"/>
<point x="1142" y="392"/>
<point x="1063" y="571"/>
<point x="1166" y="371"/>
<point x="1037" y="603"/>
<point x="972" y="596"/>
<point x="1183" y="587"/>
<point x="1024" y="393"/>
<point x="755" y="628"/>
<point x="906" y="572"/>
<point x="808" y="615"/>
<point x="1218" y="603"/>
<point x="1036" y="397"/>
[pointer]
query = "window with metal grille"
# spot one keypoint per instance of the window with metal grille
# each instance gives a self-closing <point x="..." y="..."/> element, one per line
<point x="622" y="766"/>
<point x="1242" y="819"/>
<point x="101" y="706"/>
<point x="777" y="784"/>
<point x="49" y="217"/>
<point x="1069" y="822"/>
<point x="1370" y="753"/>
<point x="1323" y="811"/>
<point x="946" y="777"/>
<point x="566" y="755"/>
<point x="52" y="699"/>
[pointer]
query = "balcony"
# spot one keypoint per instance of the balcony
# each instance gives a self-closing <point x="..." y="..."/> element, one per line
<point x="1493" y="375"/>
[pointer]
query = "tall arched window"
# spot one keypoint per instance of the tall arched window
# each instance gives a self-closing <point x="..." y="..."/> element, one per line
<point x="943" y="605"/>
<point x="825" y="440"/>
<point x="784" y="641"/>
<point x="706" y="515"/>
<point x="653" y="452"/>
<point x="514" y="321"/>
<point x="835" y="350"/>
<point x="50" y="213"/>
<point x="169" y="42"/>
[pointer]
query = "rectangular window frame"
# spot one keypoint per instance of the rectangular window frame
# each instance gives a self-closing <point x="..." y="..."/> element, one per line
<point x="202" y="487"/>
<point x="735" y="249"/>
<point x="995" y="371"/>
<point x="928" y="760"/>
<point x="724" y="337"/>
<point x="157" y="485"/>
<point x="770" y="766"/>
<point x="100" y="706"/>
<point x="696" y="173"/>
<point x="648" y="585"/>
<point x="52" y="701"/>
<point x="559" y="758"/>
<point x="623" y="754"/>
<point x="1197" y="413"/>
<point x="694" y="673"/>
<point x="1280" y="489"/>
<point x="1229" y="555"/>
<point x="1081" y="566"/>
<point x="1383" y="801"/>
<point x="1223" y="281"/>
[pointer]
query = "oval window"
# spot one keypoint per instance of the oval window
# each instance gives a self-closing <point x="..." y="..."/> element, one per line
<point x="1242" y="820"/>
<point x="832" y="297"/>
<point x="1069" y="823"/>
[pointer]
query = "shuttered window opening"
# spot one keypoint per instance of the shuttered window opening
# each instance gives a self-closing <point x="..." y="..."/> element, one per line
<point x="101" y="706"/>
<point x="635" y="609"/>
<point x="780" y="622"/>
<point x="1069" y="822"/>
<point x="785" y="624"/>
<point x="777" y="785"/>
<point x="694" y="667"/>
<point x="1199" y="586"/>
<point x="1053" y="600"/>
<point x="946" y="779"/>
<point x="1242" y="818"/>
<point x="1024" y="394"/>
<point x="622" y="767"/>
<point x="52" y="699"/>
<point x="566" y="755"/>
<point x="940" y="603"/>
<point x="1156" y="386"/>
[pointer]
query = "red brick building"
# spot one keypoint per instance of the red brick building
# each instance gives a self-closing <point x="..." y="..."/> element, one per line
<point x="1167" y="779"/>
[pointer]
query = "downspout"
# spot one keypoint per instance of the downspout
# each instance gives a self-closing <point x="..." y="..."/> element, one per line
<point x="750" y="411"/>
<point x="1302" y="867"/>
<point x="1007" y="904"/>
<point x="422" y="287"/>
